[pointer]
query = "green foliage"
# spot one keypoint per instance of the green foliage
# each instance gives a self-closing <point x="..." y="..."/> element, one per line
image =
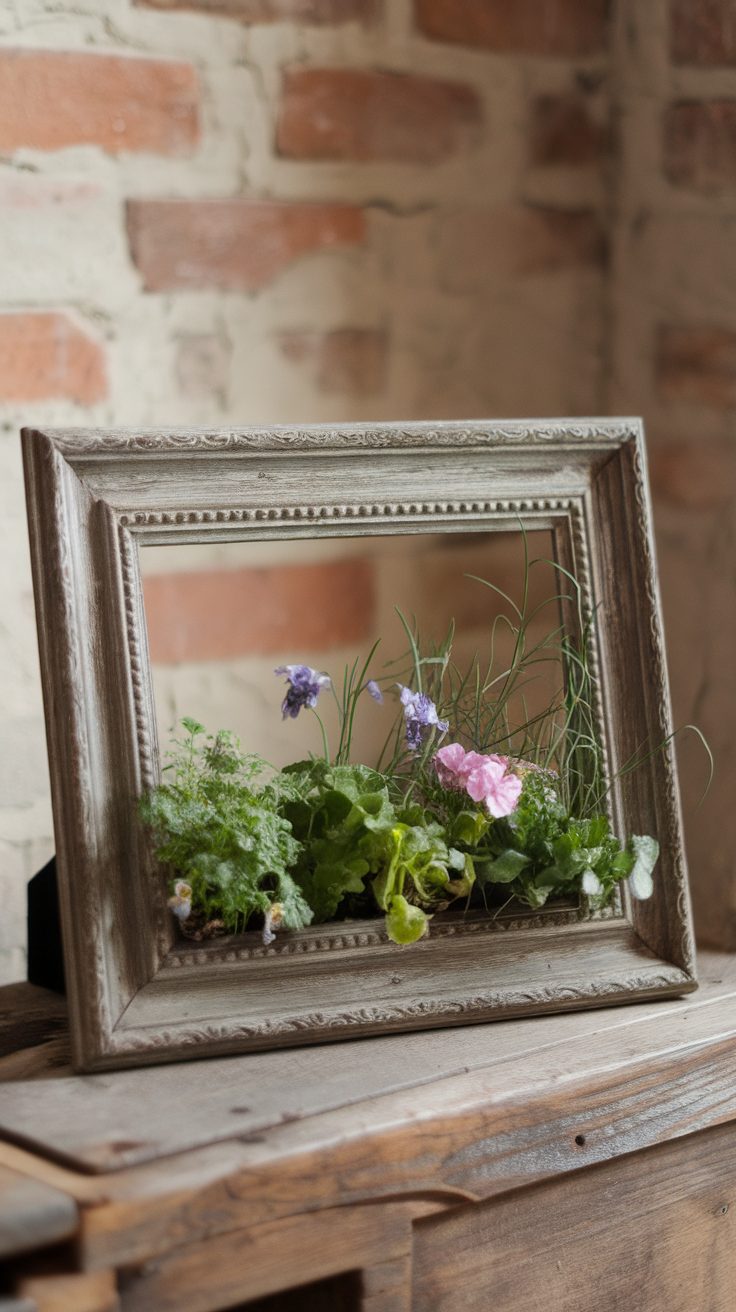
<point x="358" y="837"/>
<point x="325" y="839"/>
<point x="405" y="923"/>
<point x="319" y="841"/>
<point x="313" y="840"/>
<point x="541" y="851"/>
<point x="223" y="835"/>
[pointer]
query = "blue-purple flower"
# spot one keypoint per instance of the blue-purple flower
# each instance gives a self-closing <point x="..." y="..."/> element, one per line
<point x="420" y="714"/>
<point x="305" y="686"/>
<point x="374" y="690"/>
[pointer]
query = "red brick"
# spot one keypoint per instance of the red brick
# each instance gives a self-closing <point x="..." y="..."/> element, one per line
<point x="703" y="32"/>
<point x="481" y="247"/>
<point x="695" y="475"/>
<point x="238" y="245"/>
<point x="697" y="364"/>
<point x="533" y="27"/>
<point x="51" y="99"/>
<point x="348" y="114"/>
<point x="44" y="356"/>
<point x="278" y="611"/>
<point x="562" y="131"/>
<point x="275" y="11"/>
<point x="348" y="361"/>
<point x="700" y="144"/>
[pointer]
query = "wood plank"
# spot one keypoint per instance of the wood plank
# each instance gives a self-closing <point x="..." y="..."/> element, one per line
<point x="43" y="1061"/>
<point x="387" y="1286"/>
<point x="654" y="1231"/>
<point x="29" y="1016"/>
<point x="459" y="1140"/>
<point x="95" y="1123"/>
<point x="32" y="1214"/>
<point x="270" y="1257"/>
<point x="649" y="1074"/>
<point x="53" y="1290"/>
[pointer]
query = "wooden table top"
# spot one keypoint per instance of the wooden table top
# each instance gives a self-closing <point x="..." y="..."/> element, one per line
<point x="427" y="1120"/>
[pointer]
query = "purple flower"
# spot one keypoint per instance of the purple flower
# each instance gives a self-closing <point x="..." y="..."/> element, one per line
<point x="305" y="686"/>
<point x="420" y="713"/>
<point x="374" y="690"/>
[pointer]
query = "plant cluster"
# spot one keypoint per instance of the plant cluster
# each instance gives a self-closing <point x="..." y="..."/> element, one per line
<point x="472" y="801"/>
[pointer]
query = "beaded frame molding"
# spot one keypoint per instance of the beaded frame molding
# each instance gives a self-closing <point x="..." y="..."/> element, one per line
<point x="137" y="994"/>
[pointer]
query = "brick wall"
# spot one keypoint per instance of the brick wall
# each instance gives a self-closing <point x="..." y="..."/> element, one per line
<point x="672" y="289"/>
<point x="252" y="210"/>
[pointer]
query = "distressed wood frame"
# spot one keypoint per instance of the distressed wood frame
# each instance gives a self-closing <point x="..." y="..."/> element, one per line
<point x="136" y="994"/>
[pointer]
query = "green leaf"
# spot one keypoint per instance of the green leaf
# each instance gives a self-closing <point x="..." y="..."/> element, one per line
<point x="405" y="923"/>
<point x="504" y="869"/>
<point x="223" y="835"/>
<point x="536" y="891"/>
<point x="645" y="851"/>
<point x="622" y="864"/>
<point x="468" y="827"/>
<point x="376" y="810"/>
<point x="192" y="726"/>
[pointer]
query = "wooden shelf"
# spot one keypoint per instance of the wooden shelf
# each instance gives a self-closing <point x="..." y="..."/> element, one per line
<point x="285" y="1155"/>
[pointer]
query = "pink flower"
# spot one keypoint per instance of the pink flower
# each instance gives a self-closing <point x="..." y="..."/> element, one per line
<point x="448" y="763"/>
<point x="487" y="779"/>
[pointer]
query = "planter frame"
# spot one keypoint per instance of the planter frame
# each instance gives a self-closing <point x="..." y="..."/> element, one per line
<point x="136" y="994"/>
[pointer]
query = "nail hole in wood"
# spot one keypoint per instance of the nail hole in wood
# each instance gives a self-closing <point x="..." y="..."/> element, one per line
<point x="580" y="1140"/>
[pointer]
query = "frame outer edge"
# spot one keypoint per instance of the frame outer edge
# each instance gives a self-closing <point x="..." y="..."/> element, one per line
<point x="685" y="944"/>
<point x="45" y="473"/>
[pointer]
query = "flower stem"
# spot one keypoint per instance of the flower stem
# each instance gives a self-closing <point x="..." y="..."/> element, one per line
<point x="325" y="745"/>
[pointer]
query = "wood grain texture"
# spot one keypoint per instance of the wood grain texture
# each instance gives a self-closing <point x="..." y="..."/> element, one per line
<point x="50" y="1289"/>
<point x="275" y="1256"/>
<point x="96" y="497"/>
<point x="572" y="1161"/>
<point x="386" y="1286"/>
<point x="623" y="1080"/>
<point x="30" y="1015"/>
<point x="34" y="1033"/>
<point x="32" y="1213"/>
<point x="96" y="1125"/>
<point x="654" y="1231"/>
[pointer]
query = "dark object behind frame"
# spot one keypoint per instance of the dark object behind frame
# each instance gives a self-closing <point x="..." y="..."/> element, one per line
<point x="45" y="954"/>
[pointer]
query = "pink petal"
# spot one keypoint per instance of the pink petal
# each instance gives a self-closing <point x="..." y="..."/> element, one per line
<point x="472" y="761"/>
<point x="448" y="763"/>
<point x="451" y="756"/>
<point x="503" y="795"/>
<point x="483" y="777"/>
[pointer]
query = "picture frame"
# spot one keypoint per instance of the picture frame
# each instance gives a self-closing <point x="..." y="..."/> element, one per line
<point x="136" y="994"/>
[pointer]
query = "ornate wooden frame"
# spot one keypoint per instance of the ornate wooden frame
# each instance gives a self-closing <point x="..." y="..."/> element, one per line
<point x="136" y="995"/>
